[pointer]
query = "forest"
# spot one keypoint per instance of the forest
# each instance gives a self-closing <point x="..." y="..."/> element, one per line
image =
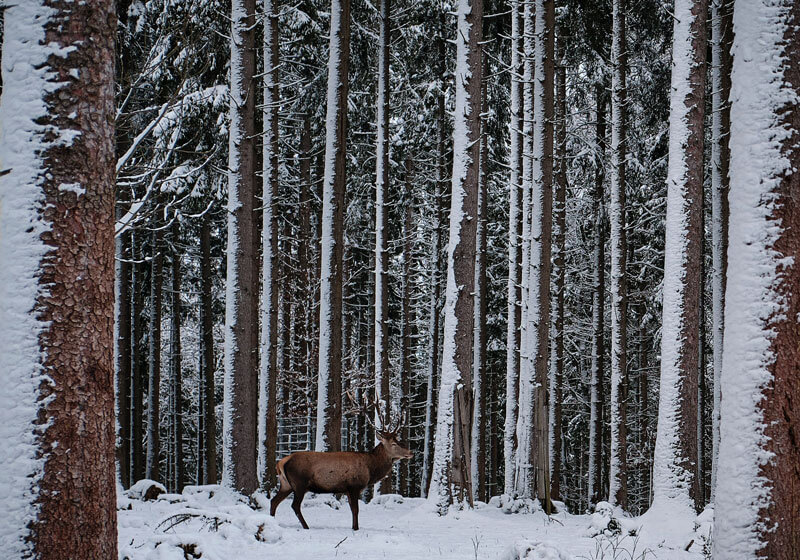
<point x="533" y="262"/>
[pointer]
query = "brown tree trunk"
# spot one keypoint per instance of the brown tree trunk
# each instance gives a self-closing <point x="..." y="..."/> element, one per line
<point x="57" y="281"/>
<point x="122" y="356"/>
<point x="329" y="390"/>
<point x="240" y="438"/>
<point x="138" y="362"/>
<point x="176" y="375"/>
<point x="208" y="425"/>
<point x="305" y="290"/>
<point x="154" y="357"/>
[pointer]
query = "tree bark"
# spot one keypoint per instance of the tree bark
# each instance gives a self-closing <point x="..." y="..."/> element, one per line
<point x="559" y="237"/>
<point x="176" y="376"/>
<point x="759" y="453"/>
<point x="618" y="471"/>
<point x="675" y="486"/>
<point x="329" y="390"/>
<point x="208" y="426"/>
<point x="267" y="414"/>
<point x="239" y="430"/>
<point x="138" y="364"/>
<point x="514" y="295"/>
<point x="381" y="230"/>
<point x="721" y="62"/>
<point x="153" y="451"/>
<point x="595" y="484"/>
<point x="122" y="356"/>
<point x="57" y="281"/>
<point x="451" y="457"/>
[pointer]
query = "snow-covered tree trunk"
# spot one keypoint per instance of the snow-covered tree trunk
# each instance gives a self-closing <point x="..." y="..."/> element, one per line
<point x="478" y="443"/>
<point x="207" y="426"/>
<point x="176" y="374"/>
<point x="541" y="232"/>
<point x="329" y="389"/>
<point x="595" y="467"/>
<point x="408" y="328"/>
<point x="618" y="468"/>
<point x="674" y="481"/>
<point x="267" y="400"/>
<point x="514" y="255"/>
<point x="305" y="286"/>
<point x="559" y="237"/>
<point x="524" y="426"/>
<point x="451" y="466"/>
<point x="721" y="61"/>
<point x="138" y="366"/>
<point x="759" y="453"/>
<point x="153" y="450"/>
<point x="57" y="160"/>
<point x="240" y="405"/>
<point x="381" y="230"/>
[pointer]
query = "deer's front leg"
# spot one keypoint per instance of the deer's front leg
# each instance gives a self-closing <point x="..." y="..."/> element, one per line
<point x="352" y="497"/>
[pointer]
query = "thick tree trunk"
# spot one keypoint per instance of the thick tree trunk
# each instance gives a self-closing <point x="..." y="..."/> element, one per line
<point x="618" y="472"/>
<point x="208" y="425"/>
<point x="514" y="295"/>
<point x="758" y="493"/>
<point x="451" y="458"/>
<point x="381" y="231"/>
<point x="305" y="286"/>
<point x="675" y="485"/>
<point x="267" y="414"/>
<point x="595" y="484"/>
<point x="57" y="281"/>
<point x="721" y="62"/>
<point x="240" y="406"/>
<point x="559" y="237"/>
<point x="329" y="390"/>
<point x="152" y="458"/>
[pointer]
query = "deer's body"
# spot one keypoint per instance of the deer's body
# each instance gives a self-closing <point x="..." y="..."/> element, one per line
<point x="340" y="472"/>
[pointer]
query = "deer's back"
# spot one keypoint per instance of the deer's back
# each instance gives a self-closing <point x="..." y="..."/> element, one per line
<point x="328" y="472"/>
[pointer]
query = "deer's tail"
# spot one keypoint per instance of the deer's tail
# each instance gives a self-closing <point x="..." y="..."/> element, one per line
<point x="279" y="468"/>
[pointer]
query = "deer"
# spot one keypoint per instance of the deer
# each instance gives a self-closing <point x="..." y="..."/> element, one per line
<point x="341" y="472"/>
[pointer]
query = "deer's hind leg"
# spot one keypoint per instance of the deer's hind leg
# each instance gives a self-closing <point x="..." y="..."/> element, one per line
<point x="296" y="503"/>
<point x="352" y="497"/>
<point x="278" y="498"/>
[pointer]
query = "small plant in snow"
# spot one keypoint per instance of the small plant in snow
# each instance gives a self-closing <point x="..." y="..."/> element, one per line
<point x="619" y="547"/>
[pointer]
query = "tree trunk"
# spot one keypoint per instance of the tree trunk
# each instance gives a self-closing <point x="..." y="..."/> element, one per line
<point x="721" y="62"/>
<point x="478" y="443"/>
<point x="305" y="286"/>
<point x="559" y="237"/>
<point x="618" y="471"/>
<point x="138" y="365"/>
<point x="240" y="405"/>
<point x="541" y="232"/>
<point x="381" y="230"/>
<point x="759" y="454"/>
<point x="514" y="256"/>
<point x="595" y="484"/>
<point x="329" y="390"/>
<point x="122" y="356"/>
<point x="451" y="458"/>
<point x="409" y="331"/>
<point x="152" y="458"/>
<point x="57" y="281"/>
<point x="675" y="485"/>
<point x="267" y="415"/>
<point x="176" y="377"/>
<point x="208" y="426"/>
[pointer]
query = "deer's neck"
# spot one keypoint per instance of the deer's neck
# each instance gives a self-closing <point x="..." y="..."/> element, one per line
<point x="381" y="464"/>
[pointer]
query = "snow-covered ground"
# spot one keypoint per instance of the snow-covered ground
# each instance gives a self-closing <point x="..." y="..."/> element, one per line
<point x="212" y="524"/>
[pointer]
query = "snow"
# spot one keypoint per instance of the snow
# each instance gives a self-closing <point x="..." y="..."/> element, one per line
<point x="753" y="300"/>
<point x="390" y="529"/>
<point x="22" y="139"/>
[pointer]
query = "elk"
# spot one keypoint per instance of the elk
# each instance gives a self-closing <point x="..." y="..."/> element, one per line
<point x="340" y="472"/>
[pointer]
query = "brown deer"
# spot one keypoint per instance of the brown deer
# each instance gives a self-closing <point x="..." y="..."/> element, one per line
<point x="339" y="472"/>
